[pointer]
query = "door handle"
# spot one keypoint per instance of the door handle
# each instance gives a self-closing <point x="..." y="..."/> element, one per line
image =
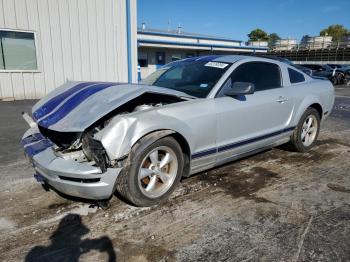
<point x="281" y="99"/>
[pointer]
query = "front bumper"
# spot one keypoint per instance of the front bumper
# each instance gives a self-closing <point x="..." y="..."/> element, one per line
<point x="71" y="177"/>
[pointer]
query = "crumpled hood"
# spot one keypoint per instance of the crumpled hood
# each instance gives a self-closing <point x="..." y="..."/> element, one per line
<point x="77" y="105"/>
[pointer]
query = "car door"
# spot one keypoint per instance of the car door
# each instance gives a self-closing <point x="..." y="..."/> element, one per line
<point x="247" y="122"/>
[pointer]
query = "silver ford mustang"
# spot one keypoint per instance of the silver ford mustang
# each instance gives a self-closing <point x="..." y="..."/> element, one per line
<point x="90" y="139"/>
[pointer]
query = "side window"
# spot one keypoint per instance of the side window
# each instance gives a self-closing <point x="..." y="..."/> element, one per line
<point x="318" y="68"/>
<point x="295" y="76"/>
<point x="262" y="74"/>
<point x="312" y="67"/>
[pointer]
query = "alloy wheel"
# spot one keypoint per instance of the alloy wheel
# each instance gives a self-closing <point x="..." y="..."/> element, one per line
<point x="309" y="130"/>
<point x="158" y="171"/>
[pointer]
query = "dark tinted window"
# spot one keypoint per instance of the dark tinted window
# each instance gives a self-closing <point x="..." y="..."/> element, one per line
<point x="307" y="66"/>
<point x="295" y="77"/>
<point x="263" y="75"/>
<point x="315" y="67"/>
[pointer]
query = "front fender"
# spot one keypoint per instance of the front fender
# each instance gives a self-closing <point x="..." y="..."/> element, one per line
<point x="124" y="131"/>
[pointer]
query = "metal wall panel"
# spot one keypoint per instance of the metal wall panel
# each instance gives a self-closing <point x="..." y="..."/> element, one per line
<point x="75" y="40"/>
<point x="134" y="47"/>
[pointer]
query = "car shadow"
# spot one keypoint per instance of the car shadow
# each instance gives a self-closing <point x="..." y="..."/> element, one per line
<point x="67" y="243"/>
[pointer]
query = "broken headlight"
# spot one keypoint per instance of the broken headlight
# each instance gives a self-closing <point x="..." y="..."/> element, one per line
<point x="94" y="151"/>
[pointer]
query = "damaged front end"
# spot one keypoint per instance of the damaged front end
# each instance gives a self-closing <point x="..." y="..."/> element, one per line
<point x="79" y="162"/>
<point x="94" y="151"/>
<point x="66" y="168"/>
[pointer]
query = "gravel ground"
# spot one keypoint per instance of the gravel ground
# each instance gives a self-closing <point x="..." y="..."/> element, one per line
<point x="273" y="206"/>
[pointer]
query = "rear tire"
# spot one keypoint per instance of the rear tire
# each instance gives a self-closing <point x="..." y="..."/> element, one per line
<point x="152" y="172"/>
<point x="306" y="132"/>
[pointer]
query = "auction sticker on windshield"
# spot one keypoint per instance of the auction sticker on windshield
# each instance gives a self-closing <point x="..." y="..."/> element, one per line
<point x="216" y="64"/>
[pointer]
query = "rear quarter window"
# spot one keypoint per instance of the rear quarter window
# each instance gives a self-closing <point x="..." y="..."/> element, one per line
<point x="295" y="76"/>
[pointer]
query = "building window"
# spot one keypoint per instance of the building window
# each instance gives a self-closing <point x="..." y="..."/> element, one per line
<point x="18" y="51"/>
<point x="142" y="59"/>
<point x="143" y="62"/>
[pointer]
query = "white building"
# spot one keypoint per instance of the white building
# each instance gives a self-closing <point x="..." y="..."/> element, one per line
<point x="263" y="44"/>
<point x="158" y="47"/>
<point x="315" y="42"/>
<point x="345" y="41"/>
<point x="285" y="44"/>
<point x="47" y="42"/>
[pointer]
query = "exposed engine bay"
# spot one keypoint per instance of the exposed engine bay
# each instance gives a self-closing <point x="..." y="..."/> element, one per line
<point x="82" y="147"/>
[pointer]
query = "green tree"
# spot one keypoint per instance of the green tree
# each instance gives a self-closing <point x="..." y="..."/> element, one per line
<point x="273" y="37"/>
<point x="258" y="35"/>
<point x="336" y="31"/>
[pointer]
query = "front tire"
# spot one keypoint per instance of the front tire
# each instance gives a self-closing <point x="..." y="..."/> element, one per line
<point x="152" y="173"/>
<point x="306" y="133"/>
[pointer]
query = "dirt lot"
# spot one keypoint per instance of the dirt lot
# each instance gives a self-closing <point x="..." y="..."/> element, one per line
<point x="274" y="206"/>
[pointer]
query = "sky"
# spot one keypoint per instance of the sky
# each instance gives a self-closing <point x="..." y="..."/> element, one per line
<point x="235" y="19"/>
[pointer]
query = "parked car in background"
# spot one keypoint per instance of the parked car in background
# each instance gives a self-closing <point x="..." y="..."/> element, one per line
<point x="340" y="66"/>
<point x="91" y="138"/>
<point x="302" y="68"/>
<point x="344" y="69"/>
<point x="334" y="75"/>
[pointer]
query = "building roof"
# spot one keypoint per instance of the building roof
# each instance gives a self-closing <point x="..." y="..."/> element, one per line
<point x="175" y="33"/>
<point x="160" y="43"/>
<point x="230" y="58"/>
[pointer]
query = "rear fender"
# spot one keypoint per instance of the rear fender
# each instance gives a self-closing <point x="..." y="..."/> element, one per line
<point x="305" y="104"/>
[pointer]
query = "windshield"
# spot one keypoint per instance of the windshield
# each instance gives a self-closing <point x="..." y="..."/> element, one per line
<point x="344" y="67"/>
<point x="195" y="78"/>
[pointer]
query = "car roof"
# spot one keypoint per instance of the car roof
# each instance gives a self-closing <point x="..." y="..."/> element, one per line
<point x="228" y="58"/>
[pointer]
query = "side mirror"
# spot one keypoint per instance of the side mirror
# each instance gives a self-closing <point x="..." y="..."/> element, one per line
<point x="240" y="88"/>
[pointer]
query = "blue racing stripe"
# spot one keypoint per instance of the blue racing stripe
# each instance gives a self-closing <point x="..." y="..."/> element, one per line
<point x="50" y="105"/>
<point x="204" y="153"/>
<point x="72" y="103"/>
<point x="32" y="138"/>
<point x="38" y="147"/>
<point x="252" y="140"/>
<point x="238" y="144"/>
